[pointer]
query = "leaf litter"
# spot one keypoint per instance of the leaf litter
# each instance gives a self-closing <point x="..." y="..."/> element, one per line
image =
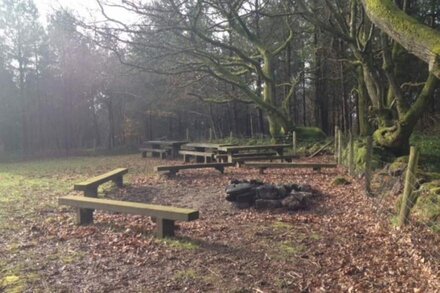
<point x="340" y="244"/>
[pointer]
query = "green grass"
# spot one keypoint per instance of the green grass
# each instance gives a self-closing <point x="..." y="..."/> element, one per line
<point x="29" y="187"/>
<point x="185" y="275"/>
<point x="28" y="198"/>
<point x="179" y="244"/>
<point x="287" y="250"/>
<point x="278" y="225"/>
<point x="429" y="146"/>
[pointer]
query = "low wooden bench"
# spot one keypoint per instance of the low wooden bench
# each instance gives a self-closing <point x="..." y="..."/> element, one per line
<point x="206" y="156"/>
<point x="165" y="215"/>
<point x="90" y="186"/>
<point x="224" y="157"/>
<point x="172" y="170"/>
<point x="267" y="154"/>
<point x="264" y="166"/>
<point x="242" y="159"/>
<point x="162" y="152"/>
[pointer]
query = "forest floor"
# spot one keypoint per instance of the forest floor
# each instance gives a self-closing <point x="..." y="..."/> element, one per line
<point x="344" y="242"/>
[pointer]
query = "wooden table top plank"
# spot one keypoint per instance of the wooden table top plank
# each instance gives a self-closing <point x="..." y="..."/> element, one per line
<point x="166" y="142"/>
<point x="207" y="145"/>
<point x="253" y="147"/>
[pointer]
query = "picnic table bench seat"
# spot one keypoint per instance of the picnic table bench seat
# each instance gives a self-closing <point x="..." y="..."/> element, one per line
<point x="164" y="148"/>
<point x="165" y="215"/>
<point x="172" y="170"/>
<point x="241" y="159"/>
<point x="90" y="186"/>
<point x="205" y="155"/>
<point x="162" y="152"/>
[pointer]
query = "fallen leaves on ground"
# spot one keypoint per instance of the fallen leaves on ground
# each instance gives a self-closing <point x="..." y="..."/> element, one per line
<point x="343" y="242"/>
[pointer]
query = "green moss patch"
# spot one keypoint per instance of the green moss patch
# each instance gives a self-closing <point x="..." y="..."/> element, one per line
<point x="289" y="249"/>
<point x="179" y="244"/>
<point x="340" y="181"/>
<point x="278" y="225"/>
<point x="309" y="134"/>
<point x="398" y="167"/>
<point x="185" y="275"/>
<point x="427" y="207"/>
<point x="378" y="159"/>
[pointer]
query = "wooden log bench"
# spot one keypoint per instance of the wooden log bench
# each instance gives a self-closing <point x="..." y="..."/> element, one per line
<point x="165" y="215"/>
<point x="90" y="186"/>
<point x="264" y="166"/>
<point x="267" y="154"/>
<point x="242" y="159"/>
<point x="162" y="152"/>
<point x="172" y="170"/>
<point x="206" y="157"/>
<point x="224" y="157"/>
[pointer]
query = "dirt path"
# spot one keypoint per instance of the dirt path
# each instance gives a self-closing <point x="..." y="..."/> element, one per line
<point x="340" y="244"/>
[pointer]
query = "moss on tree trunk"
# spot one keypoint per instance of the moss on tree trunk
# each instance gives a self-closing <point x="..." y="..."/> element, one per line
<point x="417" y="38"/>
<point x="396" y="137"/>
<point x="364" y="126"/>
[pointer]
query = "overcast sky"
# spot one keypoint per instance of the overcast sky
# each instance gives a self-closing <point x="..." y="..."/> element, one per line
<point x="87" y="9"/>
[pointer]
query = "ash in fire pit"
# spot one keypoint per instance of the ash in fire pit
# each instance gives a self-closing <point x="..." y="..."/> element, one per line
<point x="244" y="194"/>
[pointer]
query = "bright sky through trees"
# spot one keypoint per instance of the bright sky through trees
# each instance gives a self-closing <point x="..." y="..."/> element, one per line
<point x="87" y="9"/>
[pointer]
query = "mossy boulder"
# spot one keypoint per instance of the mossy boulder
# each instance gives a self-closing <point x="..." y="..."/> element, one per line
<point x="309" y="134"/>
<point x="398" y="167"/>
<point x="378" y="159"/>
<point x="431" y="187"/>
<point x="427" y="206"/>
<point x="428" y="176"/>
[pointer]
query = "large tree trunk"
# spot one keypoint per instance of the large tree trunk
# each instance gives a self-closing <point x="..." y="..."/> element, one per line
<point x="396" y="137"/>
<point x="364" y="125"/>
<point x="276" y="125"/>
<point x="417" y="38"/>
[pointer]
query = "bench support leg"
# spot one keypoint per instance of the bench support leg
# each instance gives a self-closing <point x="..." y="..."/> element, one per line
<point x="165" y="228"/>
<point x="119" y="181"/>
<point x="169" y="173"/>
<point x="84" y="216"/>
<point x="144" y="154"/>
<point x="91" y="192"/>
<point x="221" y="169"/>
<point x="186" y="158"/>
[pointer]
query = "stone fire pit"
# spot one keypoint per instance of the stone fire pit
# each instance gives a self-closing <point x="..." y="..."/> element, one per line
<point x="245" y="194"/>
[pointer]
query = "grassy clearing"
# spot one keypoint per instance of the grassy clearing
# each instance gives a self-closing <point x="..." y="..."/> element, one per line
<point x="28" y="198"/>
<point x="27" y="188"/>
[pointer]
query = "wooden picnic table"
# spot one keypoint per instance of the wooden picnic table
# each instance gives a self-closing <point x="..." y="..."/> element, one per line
<point x="202" y="151"/>
<point x="172" y="145"/>
<point x="233" y="150"/>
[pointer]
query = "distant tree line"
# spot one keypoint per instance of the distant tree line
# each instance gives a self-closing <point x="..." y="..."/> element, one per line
<point x="250" y="67"/>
